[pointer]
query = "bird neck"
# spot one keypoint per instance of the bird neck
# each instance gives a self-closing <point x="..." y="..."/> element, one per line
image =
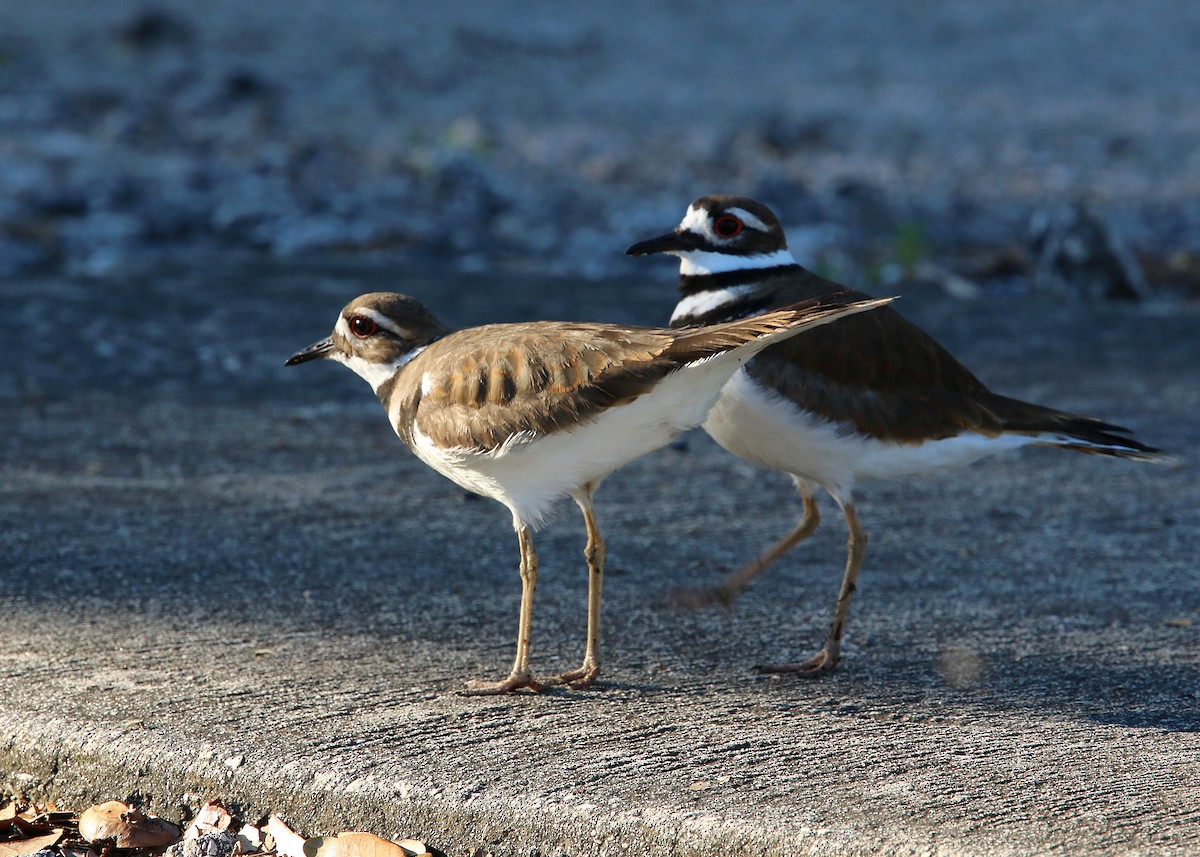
<point x="729" y="294"/>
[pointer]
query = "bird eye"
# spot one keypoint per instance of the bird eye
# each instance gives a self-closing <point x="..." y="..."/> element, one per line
<point x="727" y="226"/>
<point x="362" y="327"/>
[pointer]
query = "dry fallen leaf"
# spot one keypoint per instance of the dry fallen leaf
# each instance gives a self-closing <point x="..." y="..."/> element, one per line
<point x="21" y="847"/>
<point x="213" y="817"/>
<point x="30" y="823"/>
<point x="359" y="845"/>
<point x="288" y="843"/>
<point x="249" y="839"/>
<point x="126" y="826"/>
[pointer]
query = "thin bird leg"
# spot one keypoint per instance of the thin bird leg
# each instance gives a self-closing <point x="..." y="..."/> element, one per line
<point x="519" y="676"/>
<point x="826" y="660"/>
<point x="727" y="591"/>
<point x="594" y="552"/>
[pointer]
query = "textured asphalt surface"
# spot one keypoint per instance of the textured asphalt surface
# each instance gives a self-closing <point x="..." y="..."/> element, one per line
<point x="223" y="578"/>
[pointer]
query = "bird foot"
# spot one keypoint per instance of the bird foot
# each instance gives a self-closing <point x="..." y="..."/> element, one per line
<point x="820" y="664"/>
<point x="515" y="681"/>
<point x="577" y="679"/>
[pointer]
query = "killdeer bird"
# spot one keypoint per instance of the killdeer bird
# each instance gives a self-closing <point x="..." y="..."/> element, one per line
<point x="876" y="397"/>
<point x="530" y="413"/>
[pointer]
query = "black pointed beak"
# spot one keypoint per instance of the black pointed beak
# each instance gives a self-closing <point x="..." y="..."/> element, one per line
<point x="316" y="351"/>
<point x="672" y="242"/>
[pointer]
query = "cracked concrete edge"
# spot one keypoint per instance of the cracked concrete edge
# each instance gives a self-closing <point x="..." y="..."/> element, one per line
<point x="78" y="765"/>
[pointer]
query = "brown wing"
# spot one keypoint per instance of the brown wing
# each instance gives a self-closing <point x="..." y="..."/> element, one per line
<point x="883" y="375"/>
<point x="486" y="384"/>
<point x="877" y="372"/>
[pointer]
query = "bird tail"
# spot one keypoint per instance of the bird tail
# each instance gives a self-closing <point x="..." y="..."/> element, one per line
<point x="1106" y="442"/>
<point x="1065" y="430"/>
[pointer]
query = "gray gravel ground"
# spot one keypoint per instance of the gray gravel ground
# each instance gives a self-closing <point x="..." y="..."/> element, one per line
<point x="502" y="136"/>
<point x="221" y="578"/>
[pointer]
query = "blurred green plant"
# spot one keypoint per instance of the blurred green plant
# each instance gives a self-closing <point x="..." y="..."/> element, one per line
<point x="910" y="246"/>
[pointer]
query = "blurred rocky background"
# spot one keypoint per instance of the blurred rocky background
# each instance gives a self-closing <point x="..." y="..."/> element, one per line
<point x="1003" y="145"/>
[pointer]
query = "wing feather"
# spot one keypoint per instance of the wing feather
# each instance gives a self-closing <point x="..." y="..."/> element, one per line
<point x="482" y="386"/>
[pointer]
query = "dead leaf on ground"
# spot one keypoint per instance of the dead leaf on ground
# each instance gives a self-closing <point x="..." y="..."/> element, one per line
<point x="22" y="847"/>
<point x="352" y="844"/>
<point x="31" y="824"/>
<point x="126" y="826"/>
<point x="249" y="839"/>
<point x="288" y="843"/>
<point x="213" y="817"/>
<point x="24" y="830"/>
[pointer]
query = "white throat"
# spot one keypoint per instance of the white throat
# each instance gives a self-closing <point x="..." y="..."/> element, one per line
<point x="698" y="263"/>
<point x="375" y="374"/>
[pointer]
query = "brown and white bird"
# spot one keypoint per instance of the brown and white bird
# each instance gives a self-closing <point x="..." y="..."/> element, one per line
<point x="876" y="397"/>
<point x="531" y="413"/>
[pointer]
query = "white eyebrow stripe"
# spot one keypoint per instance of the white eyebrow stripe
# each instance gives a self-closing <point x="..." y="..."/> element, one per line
<point x="375" y="316"/>
<point x="749" y="219"/>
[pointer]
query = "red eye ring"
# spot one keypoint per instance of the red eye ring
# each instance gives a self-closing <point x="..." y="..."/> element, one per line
<point x="362" y="327"/>
<point x="727" y="226"/>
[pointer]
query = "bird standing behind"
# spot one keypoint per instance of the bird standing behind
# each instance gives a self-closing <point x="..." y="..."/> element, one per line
<point x="877" y="397"/>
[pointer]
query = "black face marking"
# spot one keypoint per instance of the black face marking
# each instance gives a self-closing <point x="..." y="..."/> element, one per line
<point x="690" y="284"/>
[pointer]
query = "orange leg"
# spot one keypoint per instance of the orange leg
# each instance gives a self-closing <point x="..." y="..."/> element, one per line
<point x="519" y="676"/>
<point x="727" y="591"/>
<point x="586" y="675"/>
<point x="826" y="660"/>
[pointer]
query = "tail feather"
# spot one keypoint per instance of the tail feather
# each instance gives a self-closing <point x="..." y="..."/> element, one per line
<point x="1071" y="431"/>
<point x="1097" y="442"/>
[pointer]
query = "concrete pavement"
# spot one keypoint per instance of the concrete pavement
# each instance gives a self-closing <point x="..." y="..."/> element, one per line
<point x="221" y="578"/>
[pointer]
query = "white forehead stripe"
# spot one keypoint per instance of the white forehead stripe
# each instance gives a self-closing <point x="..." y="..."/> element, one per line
<point x="697" y="263"/>
<point x="695" y="220"/>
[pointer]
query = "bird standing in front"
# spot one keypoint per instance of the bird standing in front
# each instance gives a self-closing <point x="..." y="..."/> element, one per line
<point x="530" y="413"/>
<point x="876" y="398"/>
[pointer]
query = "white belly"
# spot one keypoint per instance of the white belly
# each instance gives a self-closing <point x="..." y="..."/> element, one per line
<point x="531" y="472"/>
<point x="764" y="428"/>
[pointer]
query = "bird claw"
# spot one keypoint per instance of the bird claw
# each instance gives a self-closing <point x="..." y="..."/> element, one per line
<point x="576" y="679"/>
<point x="515" y="681"/>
